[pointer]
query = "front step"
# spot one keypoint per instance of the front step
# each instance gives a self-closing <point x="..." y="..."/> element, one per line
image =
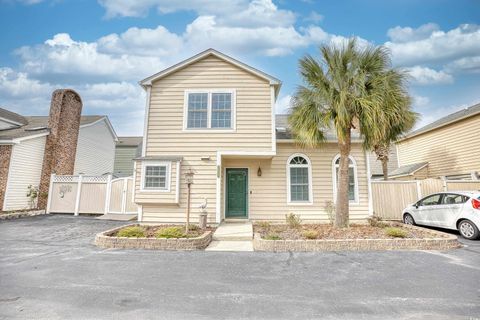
<point x="234" y="232"/>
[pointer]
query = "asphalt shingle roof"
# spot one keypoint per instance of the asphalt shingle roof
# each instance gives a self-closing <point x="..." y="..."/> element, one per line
<point x="12" y="116"/>
<point x="453" y="117"/>
<point x="283" y="130"/>
<point x="407" y="169"/>
<point x="129" y="141"/>
<point x="38" y="124"/>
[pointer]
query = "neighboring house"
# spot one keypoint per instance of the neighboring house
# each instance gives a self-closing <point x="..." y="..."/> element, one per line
<point x="126" y="149"/>
<point x="447" y="148"/>
<point x="215" y="117"/>
<point x="22" y="150"/>
<point x="376" y="165"/>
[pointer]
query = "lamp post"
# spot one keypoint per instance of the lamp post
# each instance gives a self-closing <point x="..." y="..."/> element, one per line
<point x="188" y="181"/>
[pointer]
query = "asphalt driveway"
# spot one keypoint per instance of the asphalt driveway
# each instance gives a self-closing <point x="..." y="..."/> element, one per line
<point x="49" y="269"/>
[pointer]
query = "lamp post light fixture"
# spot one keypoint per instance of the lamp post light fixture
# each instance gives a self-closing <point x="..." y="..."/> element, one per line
<point x="188" y="181"/>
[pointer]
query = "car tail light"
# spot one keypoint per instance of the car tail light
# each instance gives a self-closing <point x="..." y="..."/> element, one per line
<point x="476" y="204"/>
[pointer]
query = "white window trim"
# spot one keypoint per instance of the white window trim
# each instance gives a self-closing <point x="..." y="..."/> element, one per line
<point x="310" y="181"/>
<point x="209" y="129"/>
<point x="355" y="178"/>
<point x="167" y="178"/>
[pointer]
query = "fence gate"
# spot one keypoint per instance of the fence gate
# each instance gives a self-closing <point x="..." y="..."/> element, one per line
<point x="121" y="196"/>
<point x="91" y="194"/>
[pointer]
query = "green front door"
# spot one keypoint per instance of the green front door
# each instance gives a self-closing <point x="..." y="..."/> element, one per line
<point x="236" y="189"/>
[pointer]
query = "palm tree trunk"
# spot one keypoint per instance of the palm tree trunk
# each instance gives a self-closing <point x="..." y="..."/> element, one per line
<point x="342" y="210"/>
<point x="385" y="169"/>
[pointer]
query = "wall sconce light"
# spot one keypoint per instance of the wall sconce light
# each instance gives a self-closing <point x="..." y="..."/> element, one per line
<point x="259" y="172"/>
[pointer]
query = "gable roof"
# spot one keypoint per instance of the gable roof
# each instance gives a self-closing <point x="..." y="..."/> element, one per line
<point x="283" y="131"/>
<point x="129" y="141"/>
<point x="407" y="169"/>
<point x="12" y="117"/>
<point x="38" y="125"/>
<point x="211" y="52"/>
<point x="449" y="119"/>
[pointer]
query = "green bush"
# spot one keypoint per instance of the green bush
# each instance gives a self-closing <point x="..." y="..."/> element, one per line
<point x="170" y="232"/>
<point x="272" y="236"/>
<point x="132" y="232"/>
<point x="293" y="221"/>
<point x="396" y="232"/>
<point x="193" y="227"/>
<point x="310" y="234"/>
<point x="263" y="224"/>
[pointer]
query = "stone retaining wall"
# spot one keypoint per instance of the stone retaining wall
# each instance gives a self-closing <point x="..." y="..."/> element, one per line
<point x="21" y="214"/>
<point x="440" y="241"/>
<point x="105" y="240"/>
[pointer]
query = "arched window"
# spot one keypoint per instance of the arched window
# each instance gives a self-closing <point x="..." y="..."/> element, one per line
<point x="299" y="179"/>
<point x="352" y="179"/>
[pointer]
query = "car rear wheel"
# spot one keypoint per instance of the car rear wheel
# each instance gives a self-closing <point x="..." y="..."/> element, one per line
<point x="408" y="219"/>
<point x="468" y="229"/>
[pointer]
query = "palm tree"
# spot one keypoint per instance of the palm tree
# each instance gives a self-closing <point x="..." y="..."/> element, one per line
<point x="350" y="88"/>
<point x="396" y="130"/>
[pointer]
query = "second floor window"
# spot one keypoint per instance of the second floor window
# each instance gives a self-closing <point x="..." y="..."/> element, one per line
<point x="209" y="110"/>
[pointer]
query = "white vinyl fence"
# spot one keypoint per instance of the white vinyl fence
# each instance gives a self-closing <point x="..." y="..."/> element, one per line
<point x="389" y="198"/>
<point x="91" y="195"/>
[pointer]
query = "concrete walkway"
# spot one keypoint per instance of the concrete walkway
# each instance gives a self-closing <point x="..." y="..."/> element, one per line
<point x="232" y="236"/>
<point x="118" y="217"/>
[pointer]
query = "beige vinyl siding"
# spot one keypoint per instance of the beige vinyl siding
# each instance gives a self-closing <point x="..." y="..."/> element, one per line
<point x="166" y="115"/>
<point x="268" y="193"/>
<point x="450" y="150"/>
<point x="95" y="150"/>
<point x="166" y="136"/>
<point x="123" y="164"/>
<point x="25" y="169"/>
<point x="152" y="196"/>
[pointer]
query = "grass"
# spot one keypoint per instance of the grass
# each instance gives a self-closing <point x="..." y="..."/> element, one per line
<point x="132" y="232"/>
<point x="396" y="232"/>
<point x="293" y="221"/>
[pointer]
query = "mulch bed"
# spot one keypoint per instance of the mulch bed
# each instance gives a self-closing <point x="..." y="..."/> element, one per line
<point x="150" y="230"/>
<point x="326" y="231"/>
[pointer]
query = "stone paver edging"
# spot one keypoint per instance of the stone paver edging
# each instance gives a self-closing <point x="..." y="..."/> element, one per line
<point x="21" y="214"/>
<point x="106" y="240"/>
<point x="440" y="241"/>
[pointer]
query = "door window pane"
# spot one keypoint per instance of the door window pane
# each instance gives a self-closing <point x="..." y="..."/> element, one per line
<point x="431" y="200"/>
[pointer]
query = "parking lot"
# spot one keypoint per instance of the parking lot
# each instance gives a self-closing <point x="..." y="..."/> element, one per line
<point x="49" y="269"/>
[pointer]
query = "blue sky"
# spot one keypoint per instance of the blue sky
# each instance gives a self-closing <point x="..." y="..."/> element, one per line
<point x="102" y="49"/>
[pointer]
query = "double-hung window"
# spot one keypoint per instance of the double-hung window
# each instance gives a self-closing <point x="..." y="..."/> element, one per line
<point x="155" y="176"/>
<point x="352" y="178"/>
<point x="299" y="176"/>
<point x="210" y="109"/>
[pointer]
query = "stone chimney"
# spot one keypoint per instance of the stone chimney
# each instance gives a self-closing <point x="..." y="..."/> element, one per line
<point x="61" y="144"/>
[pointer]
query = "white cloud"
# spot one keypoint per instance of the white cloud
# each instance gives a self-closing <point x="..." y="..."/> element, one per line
<point x="18" y="85"/>
<point x="467" y="64"/>
<point x="420" y="101"/>
<point x="408" y="34"/>
<point x="438" y="46"/>
<point x="283" y="104"/>
<point x="314" y="17"/>
<point x="427" y="76"/>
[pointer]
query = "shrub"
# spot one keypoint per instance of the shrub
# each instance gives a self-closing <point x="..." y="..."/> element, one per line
<point x="264" y="224"/>
<point x="193" y="227"/>
<point x="330" y="209"/>
<point x="131" y="232"/>
<point x="272" y="236"/>
<point x="376" y="221"/>
<point x="170" y="232"/>
<point x="396" y="232"/>
<point x="293" y="221"/>
<point x="310" y="234"/>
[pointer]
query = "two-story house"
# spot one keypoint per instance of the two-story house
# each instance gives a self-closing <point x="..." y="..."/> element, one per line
<point x="447" y="147"/>
<point x="215" y="116"/>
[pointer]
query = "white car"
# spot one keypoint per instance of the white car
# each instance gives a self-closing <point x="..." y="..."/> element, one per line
<point x="457" y="210"/>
